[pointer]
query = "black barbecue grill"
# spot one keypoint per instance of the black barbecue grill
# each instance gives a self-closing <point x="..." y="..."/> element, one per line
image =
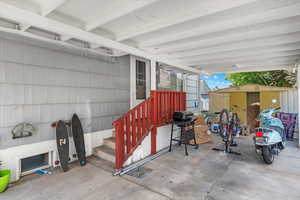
<point x="184" y="120"/>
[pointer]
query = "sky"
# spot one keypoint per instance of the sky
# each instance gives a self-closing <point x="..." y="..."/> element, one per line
<point x="216" y="80"/>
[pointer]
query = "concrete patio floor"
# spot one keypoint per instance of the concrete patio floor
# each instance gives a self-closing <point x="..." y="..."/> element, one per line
<point x="204" y="174"/>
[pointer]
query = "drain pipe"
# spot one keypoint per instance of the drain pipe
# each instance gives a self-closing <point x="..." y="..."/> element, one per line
<point x="141" y="162"/>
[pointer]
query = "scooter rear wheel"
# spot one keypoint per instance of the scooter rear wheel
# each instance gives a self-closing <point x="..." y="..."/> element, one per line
<point x="267" y="155"/>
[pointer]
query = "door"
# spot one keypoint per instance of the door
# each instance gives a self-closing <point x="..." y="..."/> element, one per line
<point x="140" y="80"/>
<point x="266" y="100"/>
<point x="253" y="108"/>
<point x="238" y="104"/>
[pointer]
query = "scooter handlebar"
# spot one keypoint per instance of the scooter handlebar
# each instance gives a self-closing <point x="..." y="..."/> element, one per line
<point x="278" y="108"/>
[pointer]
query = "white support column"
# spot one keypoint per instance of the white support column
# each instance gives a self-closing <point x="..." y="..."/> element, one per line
<point x="298" y="86"/>
<point x="153" y="74"/>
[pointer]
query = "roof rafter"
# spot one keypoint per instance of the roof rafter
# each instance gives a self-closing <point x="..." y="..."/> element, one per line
<point x="248" y="68"/>
<point x="215" y="6"/>
<point x="254" y="56"/>
<point x="240" y="45"/>
<point x="258" y="62"/>
<point x="27" y="17"/>
<point x="278" y="27"/>
<point x="237" y="19"/>
<point x="110" y="16"/>
<point x="124" y="10"/>
<point x="248" y="52"/>
<point x="46" y="9"/>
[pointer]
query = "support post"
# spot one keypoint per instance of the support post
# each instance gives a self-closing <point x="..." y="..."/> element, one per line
<point x="298" y="88"/>
<point x="153" y="74"/>
<point x="154" y="121"/>
<point x="119" y="153"/>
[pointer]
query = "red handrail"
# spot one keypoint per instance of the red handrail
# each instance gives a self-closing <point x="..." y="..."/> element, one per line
<point x="167" y="102"/>
<point x="135" y="125"/>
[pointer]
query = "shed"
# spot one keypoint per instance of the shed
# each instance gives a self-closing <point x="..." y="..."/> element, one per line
<point x="246" y="100"/>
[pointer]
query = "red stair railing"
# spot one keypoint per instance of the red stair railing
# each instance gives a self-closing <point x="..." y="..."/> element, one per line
<point x="136" y="124"/>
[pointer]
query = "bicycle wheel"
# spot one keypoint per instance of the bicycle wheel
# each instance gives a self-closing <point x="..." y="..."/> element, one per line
<point x="234" y="123"/>
<point x="224" y="124"/>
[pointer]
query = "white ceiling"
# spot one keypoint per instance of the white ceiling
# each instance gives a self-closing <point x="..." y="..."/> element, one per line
<point x="197" y="36"/>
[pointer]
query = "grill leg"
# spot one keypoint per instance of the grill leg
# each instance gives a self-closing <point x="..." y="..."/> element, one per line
<point x="170" y="147"/>
<point x="186" y="152"/>
<point x="185" y="143"/>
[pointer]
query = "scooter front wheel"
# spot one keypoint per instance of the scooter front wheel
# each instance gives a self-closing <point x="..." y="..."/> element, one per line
<point x="267" y="155"/>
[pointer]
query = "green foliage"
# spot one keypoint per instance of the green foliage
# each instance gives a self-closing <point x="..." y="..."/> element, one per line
<point x="278" y="78"/>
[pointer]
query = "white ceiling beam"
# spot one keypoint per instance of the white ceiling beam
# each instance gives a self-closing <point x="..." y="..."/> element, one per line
<point x="57" y="42"/>
<point x="110" y="16"/>
<point x="236" y="19"/>
<point x="95" y="46"/>
<point x="119" y="12"/>
<point x="240" y="45"/>
<point x="196" y="10"/>
<point x="259" y="61"/>
<point x="247" y="66"/>
<point x="50" y="6"/>
<point x="27" y="17"/>
<point x="47" y="8"/>
<point x="65" y="38"/>
<point x="247" y="52"/>
<point x="238" y="59"/>
<point x="251" y="68"/>
<point x="270" y="29"/>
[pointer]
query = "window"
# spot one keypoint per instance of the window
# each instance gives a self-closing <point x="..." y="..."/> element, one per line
<point x="167" y="80"/>
<point x="34" y="162"/>
<point x="140" y="80"/>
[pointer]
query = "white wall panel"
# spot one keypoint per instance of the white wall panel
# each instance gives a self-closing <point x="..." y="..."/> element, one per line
<point x="40" y="85"/>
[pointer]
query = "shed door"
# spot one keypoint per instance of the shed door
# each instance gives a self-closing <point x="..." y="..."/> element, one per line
<point x="238" y="104"/>
<point x="266" y="100"/>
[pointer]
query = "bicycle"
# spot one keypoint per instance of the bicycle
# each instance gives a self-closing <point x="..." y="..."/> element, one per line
<point x="228" y="130"/>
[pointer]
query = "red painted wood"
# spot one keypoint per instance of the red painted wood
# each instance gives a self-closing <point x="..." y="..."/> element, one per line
<point x="169" y="106"/>
<point x="133" y="127"/>
<point x="145" y="117"/>
<point x="128" y="134"/>
<point x="148" y="114"/>
<point x="119" y="153"/>
<point x="184" y="101"/>
<point x="139" y="133"/>
<point x="155" y="108"/>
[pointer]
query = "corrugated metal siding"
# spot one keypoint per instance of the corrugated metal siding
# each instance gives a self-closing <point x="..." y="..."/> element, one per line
<point x="192" y="89"/>
<point x="289" y="102"/>
<point x="40" y="85"/>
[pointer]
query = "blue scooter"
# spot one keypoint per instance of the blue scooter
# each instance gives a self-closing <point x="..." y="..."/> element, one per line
<point x="270" y="137"/>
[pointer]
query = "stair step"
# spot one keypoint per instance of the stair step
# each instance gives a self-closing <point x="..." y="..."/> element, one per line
<point x="110" y="142"/>
<point x="105" y="153"/>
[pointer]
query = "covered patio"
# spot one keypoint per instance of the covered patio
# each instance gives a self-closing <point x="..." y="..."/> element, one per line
<point x="204" y="174"/>
<point x="125" y="67"/>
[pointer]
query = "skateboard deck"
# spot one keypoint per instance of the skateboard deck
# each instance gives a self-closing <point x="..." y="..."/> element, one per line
<point x="78" y="137"/>
<point x="62" y="140"/>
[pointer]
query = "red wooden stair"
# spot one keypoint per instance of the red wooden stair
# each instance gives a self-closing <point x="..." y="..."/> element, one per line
<point x="137" y="123"/>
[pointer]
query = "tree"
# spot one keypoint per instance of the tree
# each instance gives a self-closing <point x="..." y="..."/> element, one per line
<point x="279" y="78"/>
